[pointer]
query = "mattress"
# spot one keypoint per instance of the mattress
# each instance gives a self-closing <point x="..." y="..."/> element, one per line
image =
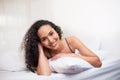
<point x="110" y="70"/>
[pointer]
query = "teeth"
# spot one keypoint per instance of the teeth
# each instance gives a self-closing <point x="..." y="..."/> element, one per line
<point x="53" y="44"/>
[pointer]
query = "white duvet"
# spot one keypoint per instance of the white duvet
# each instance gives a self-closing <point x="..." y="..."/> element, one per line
<point x="109" y="71"/>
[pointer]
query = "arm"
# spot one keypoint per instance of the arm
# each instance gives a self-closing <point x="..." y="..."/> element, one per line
<point x="43" y="65"/>
<point x="85" y="53"/>
<point x="93" y="60"/>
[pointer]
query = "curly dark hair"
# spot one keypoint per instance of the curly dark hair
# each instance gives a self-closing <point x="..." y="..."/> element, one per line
<point x="31" y="40"/>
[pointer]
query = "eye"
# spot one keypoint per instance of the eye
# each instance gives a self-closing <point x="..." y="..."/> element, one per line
<point x="43" y="39"/>
<point x="51" y="33"/>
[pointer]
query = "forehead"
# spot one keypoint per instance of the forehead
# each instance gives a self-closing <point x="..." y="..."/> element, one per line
<point x="45" y="29"/>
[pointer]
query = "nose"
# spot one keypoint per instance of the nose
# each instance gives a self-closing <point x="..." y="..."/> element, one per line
<point x="51" y="40"/>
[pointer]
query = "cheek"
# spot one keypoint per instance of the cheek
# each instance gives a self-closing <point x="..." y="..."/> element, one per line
<point x="56" y="35"/>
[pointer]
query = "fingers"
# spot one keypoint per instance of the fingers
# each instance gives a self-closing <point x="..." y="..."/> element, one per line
<point x="40" y="47"/>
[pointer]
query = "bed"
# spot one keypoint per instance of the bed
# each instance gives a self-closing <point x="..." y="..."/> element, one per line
<point x="12" y="65"/>
<point x="110" y="70"/>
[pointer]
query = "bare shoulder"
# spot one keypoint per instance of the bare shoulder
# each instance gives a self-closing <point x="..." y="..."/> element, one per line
<point x="72" y="39"/>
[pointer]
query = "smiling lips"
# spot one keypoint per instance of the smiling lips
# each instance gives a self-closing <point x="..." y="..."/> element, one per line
<point x="53" y="44"/>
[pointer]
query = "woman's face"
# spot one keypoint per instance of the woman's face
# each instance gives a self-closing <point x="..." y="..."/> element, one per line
<point x="48" y="36"/>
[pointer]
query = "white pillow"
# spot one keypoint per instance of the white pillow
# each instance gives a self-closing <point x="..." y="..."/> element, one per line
<point x="69" y="65"/>
<point x="12" y="61"/>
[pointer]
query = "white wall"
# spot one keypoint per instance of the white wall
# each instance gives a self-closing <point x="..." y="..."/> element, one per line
<point x="41" y="9"/>
<point x="14" y="13"/>
<point x="14" y="20"/>
<point x="95" y="19"/>
<point x="90" y="19"/>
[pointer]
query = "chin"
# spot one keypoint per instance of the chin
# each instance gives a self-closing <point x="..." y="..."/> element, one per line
<point x="55" y="47"/>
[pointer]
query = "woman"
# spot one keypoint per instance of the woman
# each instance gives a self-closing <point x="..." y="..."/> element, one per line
<point x="44" y="41"/>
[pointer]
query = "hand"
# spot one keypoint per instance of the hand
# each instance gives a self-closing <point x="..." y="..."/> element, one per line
<point x="40" y="47"/>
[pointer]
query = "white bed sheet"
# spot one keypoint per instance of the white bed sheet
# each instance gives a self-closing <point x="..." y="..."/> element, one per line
<point x="110" y="70"/>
